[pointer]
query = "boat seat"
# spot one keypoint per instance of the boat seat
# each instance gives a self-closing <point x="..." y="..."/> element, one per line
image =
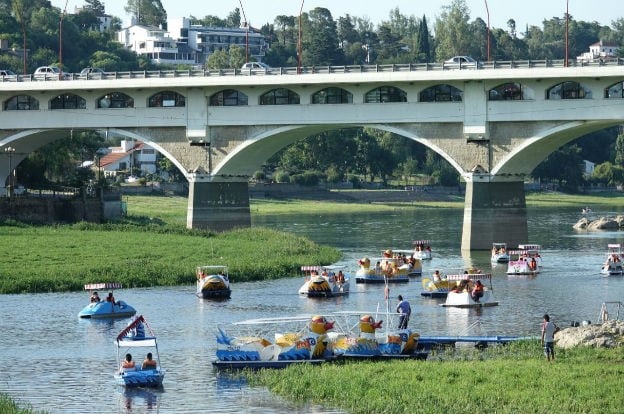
<point x="129" y="369"/>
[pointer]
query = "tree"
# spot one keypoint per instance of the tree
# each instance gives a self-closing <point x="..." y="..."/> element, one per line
<point x="453" y="33"/>
<point x="147" y="12"/>
<point x="218" y="60"/>
<point x="424" y="47"/>
<point x="619" y="150"/>
<point x="96" y="6"/>
<point x="321" y="39"/>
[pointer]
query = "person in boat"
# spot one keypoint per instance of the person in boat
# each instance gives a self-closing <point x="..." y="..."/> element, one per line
<point x="405" y="310"/>
<point x="533" y="264"/>
<point x="340" y="278"/>
<point x="436" y="276"/>
<point x="110" y="298"/>
<point x="378" y="268"/>
<point x="128" y="363"/>
<point x="477" y="291"/>
<point x="148" y="362"/>
<point x="95" y="298"/>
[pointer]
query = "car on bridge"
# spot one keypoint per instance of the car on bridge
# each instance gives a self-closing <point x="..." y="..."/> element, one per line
<point x="253" y="66"/>
<point x="460" y="62"/>
<point x="6" y="74"/>
<point x="50" y="73"/>
<point x="91" y="73"/>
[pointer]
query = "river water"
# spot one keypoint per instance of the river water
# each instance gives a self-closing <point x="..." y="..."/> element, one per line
<point x="56" y="362"/>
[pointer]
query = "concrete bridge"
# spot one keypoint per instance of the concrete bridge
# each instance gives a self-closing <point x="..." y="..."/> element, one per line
<point x="493" y="122"/>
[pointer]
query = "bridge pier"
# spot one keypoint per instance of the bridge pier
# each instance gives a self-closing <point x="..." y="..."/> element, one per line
<point x="494" y="212"/>
<point x="218" y="206"/>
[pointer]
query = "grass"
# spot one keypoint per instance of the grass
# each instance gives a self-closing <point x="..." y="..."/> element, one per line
<point x="9" y="406"/>
<point x="64" y="258"/>
<point x="511" y="379"/>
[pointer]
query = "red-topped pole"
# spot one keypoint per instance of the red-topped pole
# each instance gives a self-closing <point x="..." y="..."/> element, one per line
<point x="567" y="18"/>
<point x="299" y="42"/>
<point x="487" y="10"/>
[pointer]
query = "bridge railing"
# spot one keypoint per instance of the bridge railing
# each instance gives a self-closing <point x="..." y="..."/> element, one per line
<point x="311" y="70"/>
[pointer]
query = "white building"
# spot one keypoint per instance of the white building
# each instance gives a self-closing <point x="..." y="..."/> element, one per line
<point x="600" y="50"/>
<point x="185" y="43"/>
<point x="129" y="155"/>
<point x="154" y="43"/>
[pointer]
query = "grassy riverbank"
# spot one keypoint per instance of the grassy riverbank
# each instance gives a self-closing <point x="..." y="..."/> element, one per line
<point x="64" y="258"/>
<point x="512" y="379"/>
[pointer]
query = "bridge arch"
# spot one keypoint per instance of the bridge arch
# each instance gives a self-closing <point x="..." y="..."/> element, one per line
<point x="114" y="100"/>
<point x="332" y="95"/>
<point x="68" y="101"/>
<point x="441" y="93"/>
<point x="21" y="103"/>
<point x="280" y="96"/>
<point x="166" y="99"/>
<point x="385" y="94"/>
<point x="569" y="90"/>
<point x="228" y="97"/>
<point x="614" y="91"/>
<point x="528" y="153"/>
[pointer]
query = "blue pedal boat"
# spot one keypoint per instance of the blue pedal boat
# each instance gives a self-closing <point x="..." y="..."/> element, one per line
<point x="134" y="338"/>
<point x="100" y="309"/>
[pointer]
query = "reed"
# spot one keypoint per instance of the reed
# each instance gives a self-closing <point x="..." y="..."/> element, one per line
<point x="516" y="379"/>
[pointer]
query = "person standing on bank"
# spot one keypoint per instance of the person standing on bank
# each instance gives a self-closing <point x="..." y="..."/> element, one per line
<point x="548" y="337"/>
<point x="404" y="309"/>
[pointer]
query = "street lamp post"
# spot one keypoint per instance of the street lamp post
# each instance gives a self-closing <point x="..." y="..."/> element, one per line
<point x="10" y="151"/>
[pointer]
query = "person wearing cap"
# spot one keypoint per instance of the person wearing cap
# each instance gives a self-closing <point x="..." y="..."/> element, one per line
<point x="405" y="310"/>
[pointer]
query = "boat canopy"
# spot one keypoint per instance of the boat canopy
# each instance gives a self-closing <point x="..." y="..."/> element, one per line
<point x="148" y="341"/>
<point x="470" y="276"/>
<point x="102" y="286"/>
<point x="529" y="247"/>
<point x="320" y="268"/>
<point x="417" y="242"/>
<point x="614" y="246"/>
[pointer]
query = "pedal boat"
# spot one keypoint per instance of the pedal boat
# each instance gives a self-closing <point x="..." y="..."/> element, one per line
<point x="213" y="282"/>
<point x="134" y="338"/>
<point x="460" y="296"/>
<point x="613" y="264"/>
<point x="324" y="281"/>
<point x="104" y="309"/>
<point x="499" y="253"/>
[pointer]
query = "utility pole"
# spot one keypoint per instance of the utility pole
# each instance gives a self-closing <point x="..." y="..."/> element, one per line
<point x="487" y="10"/>
<point x="567" y="18"/>
<point x="246" y="32"/>
<point x="299" y="41"/>
<point x="61" y="40"/>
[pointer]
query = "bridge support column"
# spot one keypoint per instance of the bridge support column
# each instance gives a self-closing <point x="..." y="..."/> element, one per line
<point x="494" y="212"/>
<point x="218" y="206"/>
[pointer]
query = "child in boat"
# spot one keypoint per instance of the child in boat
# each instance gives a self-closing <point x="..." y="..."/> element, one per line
<point x="95" y="298"/>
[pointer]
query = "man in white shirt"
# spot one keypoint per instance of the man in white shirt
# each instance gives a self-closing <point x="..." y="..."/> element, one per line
<point x="548" y="338"/>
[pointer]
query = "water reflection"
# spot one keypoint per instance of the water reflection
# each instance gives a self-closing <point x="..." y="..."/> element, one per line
<point x="43" y="345"/>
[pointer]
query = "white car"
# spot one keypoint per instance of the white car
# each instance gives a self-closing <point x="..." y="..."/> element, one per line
<point x="7" y="73"/>
<point x="256" y="66"/>
<point x="49" y="73"/>
<point x="461" y="61"/>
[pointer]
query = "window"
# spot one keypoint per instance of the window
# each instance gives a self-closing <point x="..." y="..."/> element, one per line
<point x="279" y="96"/>
<point x="441" y="93"/>
<point x="68" y="101"/>
<point x="332" y="96"/>
<point x="506" y="92"/>
<point x="615" y="91"/>
<point x="166" y="99"/>
<point x="115" y="100"/>
<point x="228" y="97"/>
<point x="21" y="103"/>
<point x="385" y="94"/>
<point x="568" y="90"/>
